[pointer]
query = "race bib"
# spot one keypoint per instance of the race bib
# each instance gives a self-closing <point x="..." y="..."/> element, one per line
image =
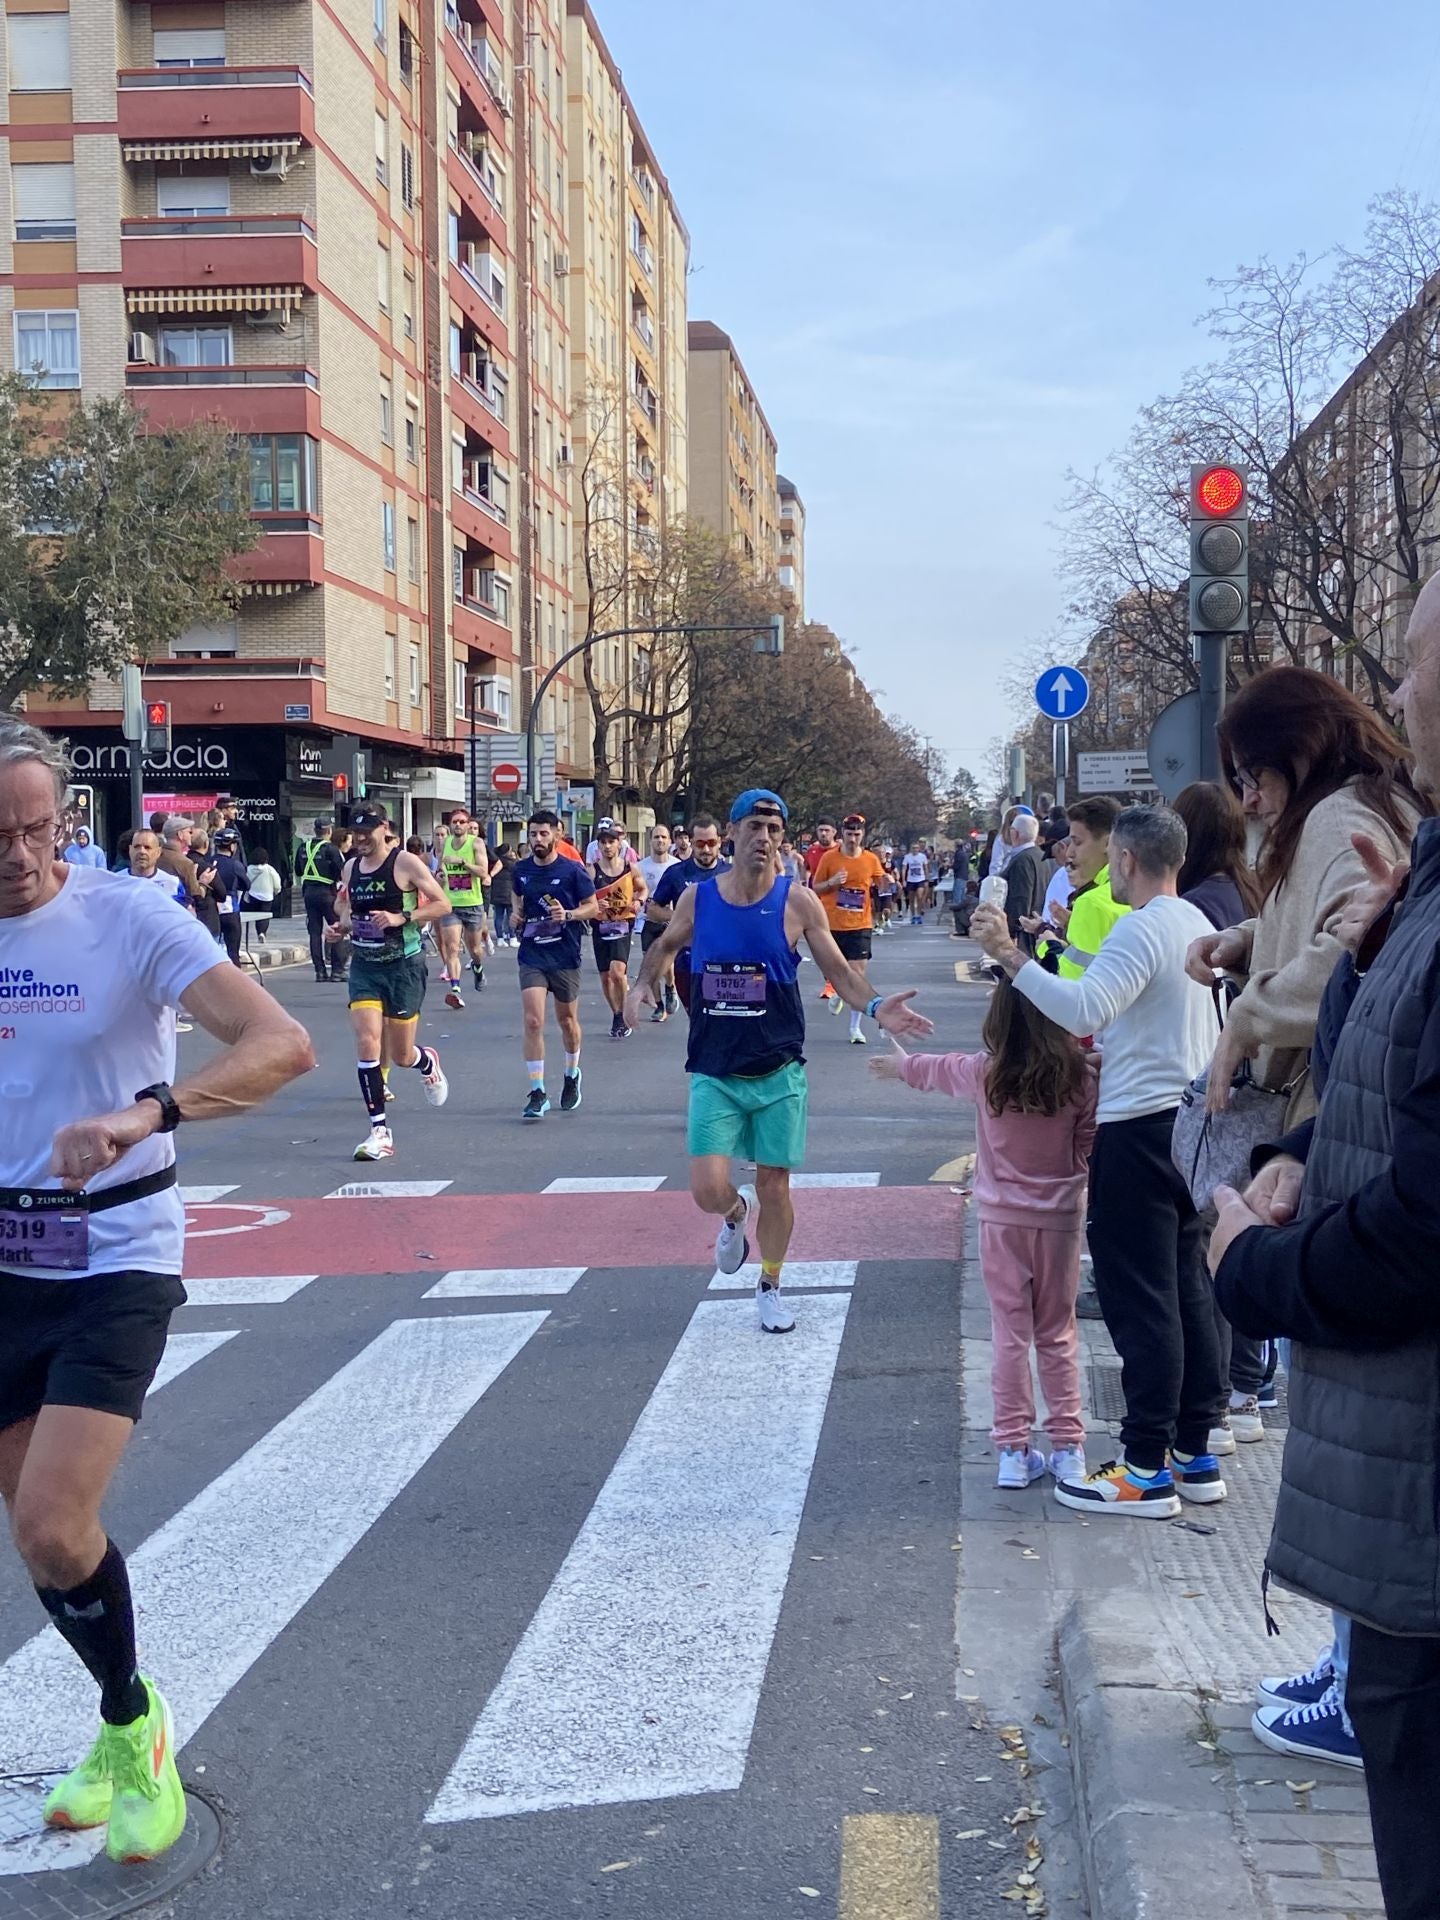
<point x="734" y="987"/>
<point x="458" y="882"/>
<point x="850" y="899"/>
<point x="45" y="1230"/>
<point x="545" y="932"/>
<point x="366" y="931"/>
<point x="613" y="929"/>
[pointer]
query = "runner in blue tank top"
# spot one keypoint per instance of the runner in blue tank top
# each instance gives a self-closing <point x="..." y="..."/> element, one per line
<point x="746" y="1059"/>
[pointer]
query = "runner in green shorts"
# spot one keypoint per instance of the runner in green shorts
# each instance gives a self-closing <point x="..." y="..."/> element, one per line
<point x="748" y="1092"/>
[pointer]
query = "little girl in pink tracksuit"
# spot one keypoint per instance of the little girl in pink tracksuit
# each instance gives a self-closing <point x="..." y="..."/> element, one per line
<point x="1034" y="1095"/>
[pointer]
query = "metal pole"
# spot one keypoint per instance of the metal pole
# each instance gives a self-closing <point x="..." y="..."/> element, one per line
<point x="474" y="789"/>
<point x="137" y="783"/>
<point x="1210" y="649"/>
<point x="1060" y="754"/>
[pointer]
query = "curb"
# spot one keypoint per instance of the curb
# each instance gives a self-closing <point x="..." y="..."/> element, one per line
<point x="267" y="957"/>
<point x="1158" y="1834"/>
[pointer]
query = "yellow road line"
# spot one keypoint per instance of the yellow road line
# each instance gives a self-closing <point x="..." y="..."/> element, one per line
<point x="960" y="1170"/>
<point x="890" y="1866"/>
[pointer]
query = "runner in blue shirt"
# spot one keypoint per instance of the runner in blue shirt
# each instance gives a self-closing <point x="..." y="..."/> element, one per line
<point x="703" y="863"/>
<point x="553" y="894"/>
<point x="748" y="1093"/>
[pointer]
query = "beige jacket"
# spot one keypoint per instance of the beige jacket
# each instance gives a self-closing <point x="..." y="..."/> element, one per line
<point x="1293" y="952"/>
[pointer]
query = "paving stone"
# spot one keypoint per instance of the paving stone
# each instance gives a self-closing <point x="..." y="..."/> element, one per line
<point x="1271" y="1857"/>
<point x="1325" y="1896"/>
<point x="1335" y="1829"/>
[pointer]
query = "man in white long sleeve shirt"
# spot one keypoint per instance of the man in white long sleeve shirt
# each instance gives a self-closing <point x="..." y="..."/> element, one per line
<point x="1156" y="1029"/>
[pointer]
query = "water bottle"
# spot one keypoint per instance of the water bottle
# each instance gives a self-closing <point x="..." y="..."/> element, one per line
<point x="993" y="891"/>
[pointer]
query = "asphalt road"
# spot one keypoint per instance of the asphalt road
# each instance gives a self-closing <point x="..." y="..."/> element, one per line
<point x="496" y="1564"/>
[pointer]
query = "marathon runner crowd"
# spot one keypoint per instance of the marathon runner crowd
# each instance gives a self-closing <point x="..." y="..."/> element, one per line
<point x="1210" y="1053"/>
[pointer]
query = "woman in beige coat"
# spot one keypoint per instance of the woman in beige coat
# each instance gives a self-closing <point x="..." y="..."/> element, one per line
<point x="1315" y="768"/>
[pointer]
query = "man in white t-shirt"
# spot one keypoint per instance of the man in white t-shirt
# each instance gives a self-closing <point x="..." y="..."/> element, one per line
<point x="914" y="869"/>
<point x="92" y="1233"/>
<point x="593" y="850"/>
<point x="1156" y="1028"/>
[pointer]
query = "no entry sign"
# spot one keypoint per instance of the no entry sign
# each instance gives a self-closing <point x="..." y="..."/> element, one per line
<point x="506" y="778"/>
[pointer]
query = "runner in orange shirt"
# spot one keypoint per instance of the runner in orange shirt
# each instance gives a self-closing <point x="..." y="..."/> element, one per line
<point x="845" y="879"/>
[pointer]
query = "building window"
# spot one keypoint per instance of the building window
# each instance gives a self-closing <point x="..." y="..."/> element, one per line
<point x="407" y="52"/>
<point x="407" y="176"/>
<point x="408" y="309"/>
<point x="189" y="47"/>
<point x="193" y="196"/>
<point x="47" y="346"/>
<point x="39" y="52"/>
<point x="382" y="272"/>
<point x="284" y="475"/>
<point x="412" y="551"/>
<point x="461" y="681"/>
<point x="412" y="437"/>
<point x="454" y="235"/>
<point x="382" y="149"/>
<point x="379" y="19"/>
<point x="414" y="676"/>
<point x="392" y="664"/>
<point x="387" y="534"/>
<point x="196" y="347"/>
<point x="387" y="418"/>
<point x="44" y="194"/>
<point x="201" y="643"/>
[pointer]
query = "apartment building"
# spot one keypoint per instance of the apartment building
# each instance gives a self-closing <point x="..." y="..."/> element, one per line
<point x="790" y="558"/>
<point x="733" y="482"/>
<point x="629" y="372"/>
<point x="302" y="221"/>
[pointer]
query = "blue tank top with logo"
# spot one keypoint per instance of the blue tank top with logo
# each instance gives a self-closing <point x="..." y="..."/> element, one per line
<point x="746" y="1016"/>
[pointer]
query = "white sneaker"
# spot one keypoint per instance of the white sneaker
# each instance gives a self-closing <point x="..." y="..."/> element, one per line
<point x="1222" y="1437"/>
<point x="732" y="1244"/>
<point x="1067" y="1463"/>
<point x="857" y="1039"/>
<point x="437" y="1087"/>
<point x="1019" y="1467"/>
<point x="1245" y="1421"/>
<point x="775" y="1316"/>
<point x="379" y="1146"/>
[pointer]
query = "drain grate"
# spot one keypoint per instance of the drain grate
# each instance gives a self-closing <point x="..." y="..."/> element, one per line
<point x="1106" y="1396"/>
<point x="66" y="1876"/>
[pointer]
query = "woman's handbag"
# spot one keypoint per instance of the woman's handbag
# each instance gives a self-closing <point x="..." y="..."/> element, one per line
<point x="1213" y="1149"/>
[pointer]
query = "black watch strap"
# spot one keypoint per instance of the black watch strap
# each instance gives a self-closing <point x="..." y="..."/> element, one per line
<point x="164" y="1098"/>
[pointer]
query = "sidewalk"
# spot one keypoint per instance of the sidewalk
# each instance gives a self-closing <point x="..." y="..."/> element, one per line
<point x="1157" y="1798"/>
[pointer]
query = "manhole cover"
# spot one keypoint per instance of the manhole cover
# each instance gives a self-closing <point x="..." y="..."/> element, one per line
<point x="66" y="1876"/>
<point x="1107" y="1397"/>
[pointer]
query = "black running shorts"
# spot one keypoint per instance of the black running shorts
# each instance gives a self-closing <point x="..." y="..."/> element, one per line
<point x="397" y="986"/>
<point x="562" y="982"/>
<point x="855" y="943"/>
<point x="607" y="952"/>
<point x="93" y="1342"/>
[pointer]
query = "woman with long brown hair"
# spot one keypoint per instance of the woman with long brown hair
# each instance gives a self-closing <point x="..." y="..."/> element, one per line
<point x="1314" y="767"/>
<point x="1216" y="876"/>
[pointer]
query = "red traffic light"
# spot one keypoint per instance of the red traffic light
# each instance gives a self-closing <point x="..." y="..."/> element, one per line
<point x="1220" y="490"/>
<point x="341" y="785"/>
<point x="157" y="713"/>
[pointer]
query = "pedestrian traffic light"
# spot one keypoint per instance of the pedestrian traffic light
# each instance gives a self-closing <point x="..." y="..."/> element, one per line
<point x="1219" y="549"/>
<point x="156" y="739"/>
<point x="340" y="792"/>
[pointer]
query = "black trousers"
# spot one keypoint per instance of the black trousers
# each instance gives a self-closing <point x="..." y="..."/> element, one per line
<point x="230" y="934"/>
<point x="1393" y="1699"/>
<point x="319" y="914"/>
<point x="1242" y="1360"/>
<point x="1146" y="1245"/>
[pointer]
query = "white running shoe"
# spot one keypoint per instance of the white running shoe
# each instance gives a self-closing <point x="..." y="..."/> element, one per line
<point x="1222" y="1437"/>
<point x="857" y="1039"/>
<point x="379" y="1146"/>
<point x="1019" y="1467"/>
<point x="775" y="1316"/>
<point x="1067" y="1463"/>
<point x="1246" y="1422"/>
<point x="732" y="1243"/>
<point x="437" y="1087"/>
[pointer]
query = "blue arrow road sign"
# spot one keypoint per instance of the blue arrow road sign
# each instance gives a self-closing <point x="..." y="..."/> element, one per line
<point x="1062" y="692"/>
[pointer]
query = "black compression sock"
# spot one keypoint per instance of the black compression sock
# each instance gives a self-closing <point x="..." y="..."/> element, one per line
<point x="372" y="1088"/>
<point x="98" y="1622"/>
<point x="422" y="1059"/>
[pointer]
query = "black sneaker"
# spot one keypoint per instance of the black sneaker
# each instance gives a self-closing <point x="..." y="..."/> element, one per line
<point x="672" y="1000"/>
<point x="570" y="1092"/>
<point x="477" y="976"/>
<point x="618" y="1028"/>
<point x="658" y="1015"/>
<point x="537" y="1106"/>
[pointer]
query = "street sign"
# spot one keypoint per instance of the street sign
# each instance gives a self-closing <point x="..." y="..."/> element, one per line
<point x="1127" y="772"/>
<point x="300" y="711"/>
<point x="484" y="752"/>
<point x="578" y="799"/>
<point x="1174" y="746"/>
<point x="1062" y="692"/>
<point x="506" y="778"/>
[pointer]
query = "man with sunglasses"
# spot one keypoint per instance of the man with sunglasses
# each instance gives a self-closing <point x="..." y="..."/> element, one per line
<point x="701" y="863"/>
<point x="846" y="879"/>
<point x="746" y="1058"/>
<point x="92" y="1232"/>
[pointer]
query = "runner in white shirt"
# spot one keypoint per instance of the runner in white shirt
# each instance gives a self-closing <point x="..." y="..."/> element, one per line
<point x="914" y="868"/>
<point x="92" y="1233"/>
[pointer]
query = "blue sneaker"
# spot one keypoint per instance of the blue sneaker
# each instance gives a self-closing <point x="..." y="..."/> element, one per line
<point x="1298" y="1689"/>
<point x="1117" y="1488"/>
<point x="1197" y="1478"/>
<point x="1316" y="1732"/>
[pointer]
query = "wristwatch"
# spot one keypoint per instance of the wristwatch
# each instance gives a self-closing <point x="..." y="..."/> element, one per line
<point x="164" y="1098"/>
<point x="407" y="915"/>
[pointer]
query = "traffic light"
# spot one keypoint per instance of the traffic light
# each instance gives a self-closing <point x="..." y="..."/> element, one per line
<point x="340" y="797"/>
<point x="156" y="740"/>
<point x="1219" y="549"/>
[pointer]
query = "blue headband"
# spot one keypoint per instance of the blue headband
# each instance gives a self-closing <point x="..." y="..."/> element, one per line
<point x="747" y="801"/>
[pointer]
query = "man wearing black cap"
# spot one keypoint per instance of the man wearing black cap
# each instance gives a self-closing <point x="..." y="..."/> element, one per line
<point x="748" y="1093"/>
<point x="318" y="867"/>
<point x="386" y="896"/>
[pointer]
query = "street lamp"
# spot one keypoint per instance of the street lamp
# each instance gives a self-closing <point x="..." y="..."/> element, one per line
<point x="769" y="639"/>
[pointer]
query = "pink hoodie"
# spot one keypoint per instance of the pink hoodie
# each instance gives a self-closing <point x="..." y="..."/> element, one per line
<point x="1030" y="1168"/>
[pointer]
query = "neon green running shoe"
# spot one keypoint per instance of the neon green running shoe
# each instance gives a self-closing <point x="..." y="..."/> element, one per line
<point x="82" y="1799"/>
<point x="148" y="1811"/>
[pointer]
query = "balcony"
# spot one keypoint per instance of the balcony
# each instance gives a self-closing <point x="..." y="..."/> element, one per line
<point x="480" y="197"/>
<point x="197" y="261"/>
<point x="645" y="183"/>
<point x="641" y="249"/>
<point x="643" y="472"/>
<point x="644" y="326"/>
<point x="279" y="399"/>
<point x="291" y="553"/>
<point x="478" y="285"/>
<point x="644" y="397"/>
<point x="188" y="113"/>
<point x="472" y="57"/>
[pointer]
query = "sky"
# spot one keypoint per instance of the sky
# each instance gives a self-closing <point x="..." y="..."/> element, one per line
<point x="959" y="245"/>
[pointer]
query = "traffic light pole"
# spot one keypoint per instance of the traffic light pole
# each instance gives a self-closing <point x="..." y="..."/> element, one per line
<point x="1210" y="651"/>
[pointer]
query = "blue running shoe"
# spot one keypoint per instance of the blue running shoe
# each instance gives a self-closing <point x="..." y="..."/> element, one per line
<point x="1197" y="1478"/>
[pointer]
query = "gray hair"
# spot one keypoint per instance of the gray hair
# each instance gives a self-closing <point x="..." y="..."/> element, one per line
<point x="1025" y="829"/>
<point x="175" y="823"/>
<point x="21" y="743"/>
<point x="1156" y="836"/>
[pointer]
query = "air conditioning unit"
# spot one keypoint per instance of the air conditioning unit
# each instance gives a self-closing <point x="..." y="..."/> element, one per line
<point x="564" y="455"/>
<point x="270" y="320"/>
<point x="142" y="349"/>
<point x="270" y="166"/>
<point x="562" y="263"/>
<point x="505" y="100"/>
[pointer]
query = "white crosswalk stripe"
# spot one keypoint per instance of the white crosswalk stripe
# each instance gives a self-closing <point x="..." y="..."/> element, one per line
<point x="389" y="1189"/>
<point x="182" y="1350"/>
<point x="796" y="1276"/>
<point x="500" y="1283"/>
<point x="607" y="1183"/>
<point x="247" y="1290"/>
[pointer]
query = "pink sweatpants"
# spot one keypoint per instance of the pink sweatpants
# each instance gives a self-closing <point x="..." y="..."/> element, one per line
<point x="1032" y="1275"/>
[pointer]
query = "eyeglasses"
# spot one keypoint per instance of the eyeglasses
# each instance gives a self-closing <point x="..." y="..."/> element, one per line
<point x="1245" y="781"/>
<point x="36" y="837"/>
